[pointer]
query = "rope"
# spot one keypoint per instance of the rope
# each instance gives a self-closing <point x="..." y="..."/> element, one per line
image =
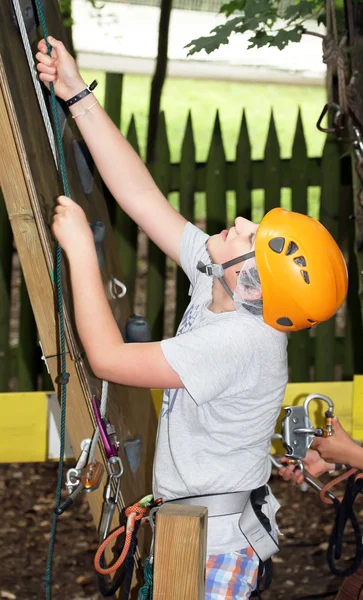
<point x="64" y="377"/>
<point x="36" y="83"/>
<point x="133" y="513"/>
<point x="146" y="591"/>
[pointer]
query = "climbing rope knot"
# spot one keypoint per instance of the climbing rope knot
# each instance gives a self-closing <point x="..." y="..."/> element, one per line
<point x="135" y="512"/>
<point x="64" y="379"/>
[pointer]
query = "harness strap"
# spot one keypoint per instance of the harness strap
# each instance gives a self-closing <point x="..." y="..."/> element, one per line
<point x="254" y="525"/>
<point x="219" y="505"/>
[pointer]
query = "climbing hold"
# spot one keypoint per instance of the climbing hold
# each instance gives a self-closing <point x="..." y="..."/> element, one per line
<point x="99" y="234"/>
<point x="85" y="165"/>
<point x="133" y="451"/>
<point x="137" y="329"/>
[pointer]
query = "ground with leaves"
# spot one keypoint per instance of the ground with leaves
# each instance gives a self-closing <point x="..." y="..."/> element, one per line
<point x="27" y="496"/>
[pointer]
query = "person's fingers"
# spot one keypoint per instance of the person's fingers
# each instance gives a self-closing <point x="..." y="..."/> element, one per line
<point x="45" y="59"/>
<point x="64" y="201"/>
<point x="46" y="77"/>
<point x="45" y="69"/>
<point x="42" y="46"/>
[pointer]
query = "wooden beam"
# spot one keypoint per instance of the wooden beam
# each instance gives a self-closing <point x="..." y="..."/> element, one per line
<point x="180" y="552"/>
<point x="30" y="185"/>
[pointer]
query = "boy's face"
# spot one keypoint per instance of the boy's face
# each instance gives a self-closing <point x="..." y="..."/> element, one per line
<point x="230" y="244"/>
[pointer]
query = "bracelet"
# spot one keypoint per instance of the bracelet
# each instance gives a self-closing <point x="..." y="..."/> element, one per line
<point x="86" y="110"/>
<point x="82" y="94"/>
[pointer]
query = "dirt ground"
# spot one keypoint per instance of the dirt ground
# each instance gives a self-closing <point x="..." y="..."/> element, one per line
<point x="27" y="498"/>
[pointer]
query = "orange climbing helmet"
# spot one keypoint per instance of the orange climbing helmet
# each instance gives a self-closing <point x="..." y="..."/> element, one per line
<point x="302" y="271"/>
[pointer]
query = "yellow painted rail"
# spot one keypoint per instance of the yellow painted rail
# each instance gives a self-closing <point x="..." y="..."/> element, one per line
<point x="29" y="423"/>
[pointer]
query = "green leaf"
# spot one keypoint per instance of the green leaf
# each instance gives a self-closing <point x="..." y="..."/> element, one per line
<point x="220" y="35"/>
<point x="233" y="6"/>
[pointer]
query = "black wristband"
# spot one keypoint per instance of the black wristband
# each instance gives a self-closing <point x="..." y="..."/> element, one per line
<point x="82" y="94"/>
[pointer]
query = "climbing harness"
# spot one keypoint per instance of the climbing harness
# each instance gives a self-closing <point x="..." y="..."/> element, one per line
<point x="297" y="433"/>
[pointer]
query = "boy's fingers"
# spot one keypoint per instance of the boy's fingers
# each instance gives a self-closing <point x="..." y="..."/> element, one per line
<point x="46" y="77"/>
<point x="45" y="69"/>
<point x="45" y="59"/>
<point x="42" y="46"/>
<point x="64" y="201"/>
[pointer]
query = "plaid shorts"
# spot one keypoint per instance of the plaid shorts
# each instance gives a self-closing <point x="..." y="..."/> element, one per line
<point x="231" y="576"/>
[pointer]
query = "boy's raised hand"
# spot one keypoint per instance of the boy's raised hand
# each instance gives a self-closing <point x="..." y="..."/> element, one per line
<point x="71" y="228"/>
<point x="59" y="68"/>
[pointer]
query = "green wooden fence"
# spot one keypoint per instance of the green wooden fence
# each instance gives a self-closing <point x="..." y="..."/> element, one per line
<point x="327" y="353"/>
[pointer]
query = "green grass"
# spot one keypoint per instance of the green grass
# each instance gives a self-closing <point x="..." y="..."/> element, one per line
<point x="203" y="98"/>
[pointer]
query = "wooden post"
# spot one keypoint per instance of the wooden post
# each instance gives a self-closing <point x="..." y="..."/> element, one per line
<point x="180" y="552"/>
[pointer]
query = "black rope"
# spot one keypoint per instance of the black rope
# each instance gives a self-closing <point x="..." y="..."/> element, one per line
<point x="344" y="514"/>
<point x="125" y="572"/>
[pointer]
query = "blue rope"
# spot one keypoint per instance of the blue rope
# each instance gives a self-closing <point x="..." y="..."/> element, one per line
<point x="64" y="378"/>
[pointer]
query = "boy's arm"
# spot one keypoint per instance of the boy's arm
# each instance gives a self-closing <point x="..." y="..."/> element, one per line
<point x="122" y="170"/>
<point x="141" y="365"/>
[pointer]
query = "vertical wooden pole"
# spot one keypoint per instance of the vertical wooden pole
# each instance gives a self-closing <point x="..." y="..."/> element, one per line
<point x="180" y="552"/>
<point x="329" y="217"/>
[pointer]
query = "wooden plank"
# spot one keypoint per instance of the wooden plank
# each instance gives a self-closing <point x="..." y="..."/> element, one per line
<point x="160" y="169"/>
<point x="216" y="182"/>
<point x="272" y="169"/>
<point x="186" y="207"/>
<point x="243" y="172"/>
<point x="180" y="552"/>
<point x="299" y="341"/>
<point x="30" y="184"/>
<point x="6" y="254"/>
<point x="329" y="217"/>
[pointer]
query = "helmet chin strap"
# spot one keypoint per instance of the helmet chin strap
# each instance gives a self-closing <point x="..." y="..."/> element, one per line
<point x="217" y="271"/>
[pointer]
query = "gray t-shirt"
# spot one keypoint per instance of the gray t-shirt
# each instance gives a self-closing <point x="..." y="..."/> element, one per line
<point x="214" y="434"/>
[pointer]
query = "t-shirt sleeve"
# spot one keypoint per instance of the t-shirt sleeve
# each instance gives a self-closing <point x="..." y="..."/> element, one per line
<point x="193" y="249"/>
<point x="208" y="358"/>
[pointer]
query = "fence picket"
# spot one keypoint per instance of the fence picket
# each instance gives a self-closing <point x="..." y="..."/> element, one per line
<point x="272" y="168"/>
<point x="160" y="169"/>
<point x="6" y="253"/>
<point x="216" y="182"/>
<point x="113" y="97"/>
<point x="329" y="217"/>
<point x="299" y="357"/>
<point x="125" y="231"/>
<point x="187" y="185"/>
<point x="243" y="170"/>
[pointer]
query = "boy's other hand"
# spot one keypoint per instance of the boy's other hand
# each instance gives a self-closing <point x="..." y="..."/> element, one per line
<point x="337" y="448"/>
<point x="70" y="226"/>
<point x="60" y="68"/>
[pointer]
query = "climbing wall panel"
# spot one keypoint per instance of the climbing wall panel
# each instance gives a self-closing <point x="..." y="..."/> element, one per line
<point x="30" y="183"/>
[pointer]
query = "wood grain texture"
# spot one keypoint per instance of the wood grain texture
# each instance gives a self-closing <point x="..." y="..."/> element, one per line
<point x="180" y="552"/>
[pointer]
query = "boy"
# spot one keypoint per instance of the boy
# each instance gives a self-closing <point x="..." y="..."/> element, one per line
<point x="225" y="372"/>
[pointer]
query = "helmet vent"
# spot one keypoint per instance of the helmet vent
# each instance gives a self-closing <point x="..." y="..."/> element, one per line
<point x="300" y="260"/>
<point x="285" y="321"/>
<point x="277" y="244"/>
<point x="292" y="248"/>
<point x="305" y="275"/>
